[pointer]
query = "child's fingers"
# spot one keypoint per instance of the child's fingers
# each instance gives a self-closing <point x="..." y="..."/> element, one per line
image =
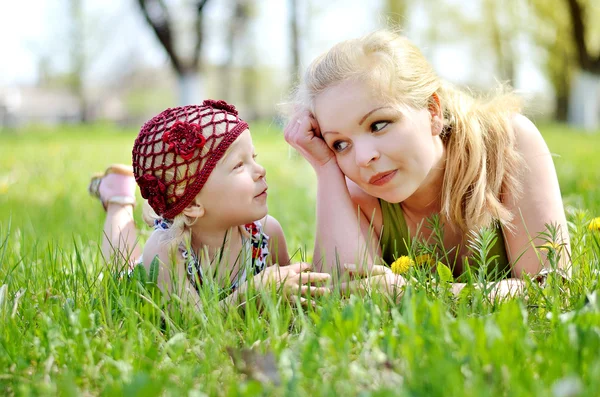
<point x="299" y="267"/>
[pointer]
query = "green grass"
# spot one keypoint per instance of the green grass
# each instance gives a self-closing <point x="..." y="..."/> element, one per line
<point x="67" y="327"/>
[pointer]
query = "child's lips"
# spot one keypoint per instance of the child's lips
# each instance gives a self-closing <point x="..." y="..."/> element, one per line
<point x="263" y="193"/>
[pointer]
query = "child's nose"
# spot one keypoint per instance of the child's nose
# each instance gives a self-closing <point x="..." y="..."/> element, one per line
<point x="261" y="172"/>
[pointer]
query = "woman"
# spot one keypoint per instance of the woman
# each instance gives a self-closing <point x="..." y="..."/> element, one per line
<point x="394" y="144"/>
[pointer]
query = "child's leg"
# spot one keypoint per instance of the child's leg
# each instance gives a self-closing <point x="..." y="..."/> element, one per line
<point x="119" y="240"/>
<point x="116" y="189"/>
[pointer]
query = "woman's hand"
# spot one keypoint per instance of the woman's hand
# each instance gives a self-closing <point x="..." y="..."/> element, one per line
<point x="372" y="277"/>
<point x="293" y="279"/>
<point x="302" y="133"/>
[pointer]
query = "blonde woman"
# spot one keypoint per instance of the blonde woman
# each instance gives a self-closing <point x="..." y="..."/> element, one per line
<point x="392" y="144"/>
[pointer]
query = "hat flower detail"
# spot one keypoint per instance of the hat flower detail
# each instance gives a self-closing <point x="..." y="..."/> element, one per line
<point x="220" y="104"/>
<point x="153" y="190"/>
<point x="184" y="138"/>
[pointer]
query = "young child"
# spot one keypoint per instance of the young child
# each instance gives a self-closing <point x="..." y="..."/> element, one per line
<point x="196" y="167"/>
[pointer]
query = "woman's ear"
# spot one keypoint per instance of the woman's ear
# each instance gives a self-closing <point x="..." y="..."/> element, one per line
<point x="194" y="210"/>
<point x="435" y="111"/>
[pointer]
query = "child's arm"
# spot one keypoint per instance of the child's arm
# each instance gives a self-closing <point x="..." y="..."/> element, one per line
<point x="170" y="265"/>
<point x="277" y="244"/>
<point x="291" y="280"/>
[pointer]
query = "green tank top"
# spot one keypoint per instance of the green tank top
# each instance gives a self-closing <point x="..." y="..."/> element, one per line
<point x="395" y="240"/>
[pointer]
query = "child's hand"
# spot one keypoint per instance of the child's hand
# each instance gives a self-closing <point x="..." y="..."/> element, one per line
<point x="372" y="277"/>
<point x="303" y="133"/>
<point x="293" y="279"/>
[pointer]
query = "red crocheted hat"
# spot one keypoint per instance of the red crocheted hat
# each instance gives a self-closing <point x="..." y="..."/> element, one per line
<point x="175" y="152"/>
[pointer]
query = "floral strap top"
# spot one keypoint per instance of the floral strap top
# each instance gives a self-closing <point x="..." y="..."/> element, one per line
<point x="255" y="251"/>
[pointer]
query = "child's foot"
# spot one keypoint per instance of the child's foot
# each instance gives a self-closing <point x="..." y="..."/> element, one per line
<point x="115" y="186"/>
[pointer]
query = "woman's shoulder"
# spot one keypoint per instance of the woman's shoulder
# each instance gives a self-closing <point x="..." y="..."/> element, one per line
<point x="528" y="138"/>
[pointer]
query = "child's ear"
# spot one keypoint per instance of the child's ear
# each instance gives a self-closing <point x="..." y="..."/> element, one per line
<point x="194" y="210"/>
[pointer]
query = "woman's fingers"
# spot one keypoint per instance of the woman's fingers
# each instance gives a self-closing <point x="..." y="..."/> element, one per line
<point x="314" y="125"/>
<point x="365" y="270"/>
<point x="352" y="287"/>
<point x="298" y="128"/>
<point x="310" y="290"/>
<point x="311" y="278"/>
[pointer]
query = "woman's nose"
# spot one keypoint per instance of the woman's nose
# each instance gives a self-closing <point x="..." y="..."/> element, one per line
<point x="365" y="155"/>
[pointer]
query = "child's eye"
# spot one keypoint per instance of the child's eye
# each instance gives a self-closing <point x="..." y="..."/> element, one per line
<point x="379" y="125"/>
<point x="254" y="156"/>
<point x="238" y="165"/>
<point x="339" y="146"/>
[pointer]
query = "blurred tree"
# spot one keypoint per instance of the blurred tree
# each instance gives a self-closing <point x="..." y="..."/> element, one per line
<point x="295" y="40"/>
<point x="551" y="33"/>
<point x="240" y="42"/>
<point x="396" y="13"/>
<point x="490" y="29"/>
<point x="181" y="39"/>
<point x="584" y="109"/>
<point x="77" y="55"/>
<point x="502" y="21"/>
<point x="581" y="38"/>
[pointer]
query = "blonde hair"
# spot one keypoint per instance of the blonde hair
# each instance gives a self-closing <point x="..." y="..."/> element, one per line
<point x="482" y="162"/>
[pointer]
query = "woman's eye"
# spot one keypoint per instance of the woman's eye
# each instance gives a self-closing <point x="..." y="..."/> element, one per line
<point x="379" y="125"/>
<point x="339" y="146"/>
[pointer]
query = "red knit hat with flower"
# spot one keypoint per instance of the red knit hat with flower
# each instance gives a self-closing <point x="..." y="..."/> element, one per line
<point x="175" y="152"/>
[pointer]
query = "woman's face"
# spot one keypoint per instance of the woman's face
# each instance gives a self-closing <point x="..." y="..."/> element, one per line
<point x="389" y="152"/>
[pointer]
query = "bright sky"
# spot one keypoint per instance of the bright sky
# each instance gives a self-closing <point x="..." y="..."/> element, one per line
<point x="32" y="29"/>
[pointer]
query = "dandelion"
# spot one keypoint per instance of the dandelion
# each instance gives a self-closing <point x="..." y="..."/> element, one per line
<point x="594" y="224"/>
<point x="425" y="259"/>
<point x="552" y="246"/>
<point x="402" y="264"/>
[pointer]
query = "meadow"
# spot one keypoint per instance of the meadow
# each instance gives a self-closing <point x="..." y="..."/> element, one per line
<point x="68" y="327"/>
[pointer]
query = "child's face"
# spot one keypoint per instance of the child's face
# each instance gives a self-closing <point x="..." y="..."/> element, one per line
<point x="389" y="153"/>
<point x="236" y="191"/>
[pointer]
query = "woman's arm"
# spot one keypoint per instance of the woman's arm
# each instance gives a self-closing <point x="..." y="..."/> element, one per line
<point x="343" y="232"/>
<point x="540" y="204"/>
<point x="339" y="238"/>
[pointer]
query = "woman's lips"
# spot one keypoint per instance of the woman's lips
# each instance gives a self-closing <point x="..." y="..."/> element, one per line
<point x="382" y="178"/>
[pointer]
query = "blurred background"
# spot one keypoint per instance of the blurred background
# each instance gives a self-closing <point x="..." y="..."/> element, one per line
<point x="122" y="61"/>
<point x="79" y="77"/>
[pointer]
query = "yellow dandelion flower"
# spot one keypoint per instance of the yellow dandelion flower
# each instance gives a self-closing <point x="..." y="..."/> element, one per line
<point x="595" y="224"/>
<point x="424" y="260"/>
<point x="552" y="246"/>
<point x="402" y="264"/>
